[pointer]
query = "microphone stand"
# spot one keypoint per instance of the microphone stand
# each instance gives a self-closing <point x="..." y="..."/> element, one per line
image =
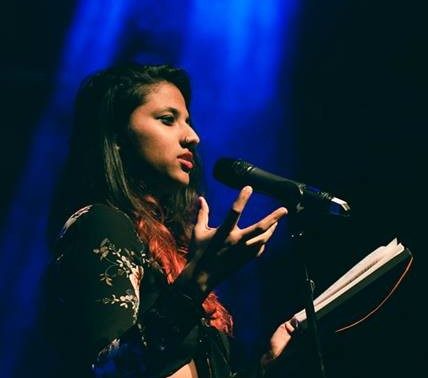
<point x="298" y="226"/>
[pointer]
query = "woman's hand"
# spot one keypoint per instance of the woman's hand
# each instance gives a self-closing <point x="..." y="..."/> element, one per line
<point x="218" y="252"/>
<point x="279" y="340"/>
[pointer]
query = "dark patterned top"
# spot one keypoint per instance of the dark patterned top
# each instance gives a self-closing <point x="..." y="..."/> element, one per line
<point x="115" y="313"/>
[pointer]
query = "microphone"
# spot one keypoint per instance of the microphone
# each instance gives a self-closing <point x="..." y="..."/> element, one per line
<point x="296" y="196"/>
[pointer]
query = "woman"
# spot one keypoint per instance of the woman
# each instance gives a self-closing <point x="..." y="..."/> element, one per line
<point x="136" y="261"/>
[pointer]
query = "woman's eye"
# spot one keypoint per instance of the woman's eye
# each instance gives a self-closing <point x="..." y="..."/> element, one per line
<point x="167" y="120"/>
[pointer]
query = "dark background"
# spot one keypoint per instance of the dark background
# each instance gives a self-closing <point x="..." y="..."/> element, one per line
<point x="358" y="120"/>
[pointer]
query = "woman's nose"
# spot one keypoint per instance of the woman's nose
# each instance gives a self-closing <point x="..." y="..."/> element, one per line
<point x="191" y="137"/>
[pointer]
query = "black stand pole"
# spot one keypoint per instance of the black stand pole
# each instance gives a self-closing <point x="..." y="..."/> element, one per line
<point x="299" y="224"/>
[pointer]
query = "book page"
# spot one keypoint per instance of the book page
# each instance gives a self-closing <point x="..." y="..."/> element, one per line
<point x="383" y="253"/>
<point x="361" y="270"/>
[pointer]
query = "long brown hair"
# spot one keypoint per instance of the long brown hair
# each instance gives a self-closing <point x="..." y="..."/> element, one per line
<point x="98" y="172"/>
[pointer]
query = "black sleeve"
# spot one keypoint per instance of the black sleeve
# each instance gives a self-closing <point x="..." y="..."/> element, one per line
<point x="112" y="291"/>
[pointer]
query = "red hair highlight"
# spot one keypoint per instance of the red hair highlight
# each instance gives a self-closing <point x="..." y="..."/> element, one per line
<point x="164" y="249"/>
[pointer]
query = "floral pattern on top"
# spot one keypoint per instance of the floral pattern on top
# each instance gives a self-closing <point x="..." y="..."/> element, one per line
<point x="121" y="262"/>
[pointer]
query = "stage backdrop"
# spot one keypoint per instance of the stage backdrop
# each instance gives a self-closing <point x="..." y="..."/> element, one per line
<point x="329" y="94"/>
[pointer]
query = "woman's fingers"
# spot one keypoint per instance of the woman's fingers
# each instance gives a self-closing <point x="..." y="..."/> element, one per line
<point x="263" y="225"/>
<point x="243" y="197"/>
<point x="289" y="327"/>
<point x="258" y="243"/>
<point x="202" y="233"/>
<point x="262" y="238"/>
<point x="234" y="214"/>
<point x="261" y="250"/>
<point x="203" y="214"/>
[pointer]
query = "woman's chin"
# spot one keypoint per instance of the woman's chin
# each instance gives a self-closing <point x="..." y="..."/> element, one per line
<point x="170" y="184"/>
<point x="183" y="180"/>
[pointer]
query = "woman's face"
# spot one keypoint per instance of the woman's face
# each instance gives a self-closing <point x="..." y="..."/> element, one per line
<point x="162" y="136"/>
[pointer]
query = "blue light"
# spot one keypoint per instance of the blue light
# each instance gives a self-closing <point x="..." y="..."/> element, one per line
<point x="91" y="44"/>
<point x="234" y="51"/>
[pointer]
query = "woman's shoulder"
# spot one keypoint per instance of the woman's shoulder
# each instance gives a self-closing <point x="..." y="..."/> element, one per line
<point x="99" y="222"/>
<point x="73" y="218"/>
<point x="95" y="215"/>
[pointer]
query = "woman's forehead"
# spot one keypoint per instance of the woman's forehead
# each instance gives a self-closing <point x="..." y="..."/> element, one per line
<point x="165" y="95"/>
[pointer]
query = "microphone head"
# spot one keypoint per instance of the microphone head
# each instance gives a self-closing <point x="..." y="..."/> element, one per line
<point x="231" y="171"/>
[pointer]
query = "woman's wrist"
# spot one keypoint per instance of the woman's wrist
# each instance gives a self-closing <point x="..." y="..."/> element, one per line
<point x="193" y="285"/>
<point x="267" y="358"/>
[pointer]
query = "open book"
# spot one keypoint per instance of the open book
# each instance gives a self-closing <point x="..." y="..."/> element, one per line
<point x="373" y="266"/>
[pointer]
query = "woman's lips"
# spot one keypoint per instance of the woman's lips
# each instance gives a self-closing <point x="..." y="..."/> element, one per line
<point x="186" y="163"/>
